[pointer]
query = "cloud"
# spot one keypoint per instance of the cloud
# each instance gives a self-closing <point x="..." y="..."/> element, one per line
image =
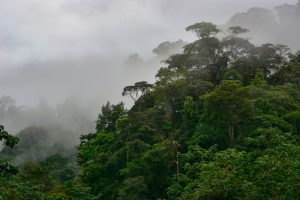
<point x="41" y="30"/>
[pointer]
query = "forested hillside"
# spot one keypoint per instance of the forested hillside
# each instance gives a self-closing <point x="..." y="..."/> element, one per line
<point x="221" y="121"/>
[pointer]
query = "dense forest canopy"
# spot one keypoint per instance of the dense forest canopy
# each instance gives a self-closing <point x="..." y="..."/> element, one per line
<point x="221" y="121"/>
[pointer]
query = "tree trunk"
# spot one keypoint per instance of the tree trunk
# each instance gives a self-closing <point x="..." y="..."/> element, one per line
<point x="177" y="165"/>
<point x="127" y="155"/>
<point x="231" y="131"/>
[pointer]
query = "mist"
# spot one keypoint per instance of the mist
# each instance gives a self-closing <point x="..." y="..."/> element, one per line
<point x="279" y="25"/>
<point x="61" y="60"/>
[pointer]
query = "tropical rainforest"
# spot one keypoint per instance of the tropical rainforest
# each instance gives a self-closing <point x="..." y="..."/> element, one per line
<point x="221" y="121"/>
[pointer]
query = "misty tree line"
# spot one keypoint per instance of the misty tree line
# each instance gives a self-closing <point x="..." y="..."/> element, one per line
<point x="271" y="26"/>
<point x="221" y="121"/>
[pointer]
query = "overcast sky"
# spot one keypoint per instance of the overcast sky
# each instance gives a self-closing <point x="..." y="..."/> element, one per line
<point x="65" y="33"/>
<point x="39" y="30"/>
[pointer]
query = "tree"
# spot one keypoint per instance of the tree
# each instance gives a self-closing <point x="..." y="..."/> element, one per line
<point x="259" y="79"/>
<point x="165" y="49"/>
<point x="11" y="141"/>
<point x="133" y="189"/>
<point x="108" y="117"/>
<point x="236" y="30"/>
<point x="229" y="102"/>
<point x="137" y="90"/>
<point x="203" y="29"/>
<point x="100" y="161"/>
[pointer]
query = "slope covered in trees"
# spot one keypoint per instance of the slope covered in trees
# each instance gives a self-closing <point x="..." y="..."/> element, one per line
<point x="221" y="121"/>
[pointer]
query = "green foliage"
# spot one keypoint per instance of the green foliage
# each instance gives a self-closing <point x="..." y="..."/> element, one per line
<point x="7" y="167"/>
<point x="259" y="79"/>
<point x="11" y="141"/>
<point x="232" y="74"/>
<point x="36" y="174"/>
<point x="60" y="167"/>
<point x="106" y="121"/>
<point x="228" y="105"/>
<point x="41" y="181"/>
<point x="133" y="189"/>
